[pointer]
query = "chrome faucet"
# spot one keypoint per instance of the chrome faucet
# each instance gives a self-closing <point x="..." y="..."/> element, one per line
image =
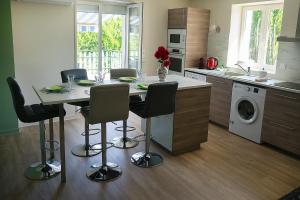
<point x="248" y="71"/>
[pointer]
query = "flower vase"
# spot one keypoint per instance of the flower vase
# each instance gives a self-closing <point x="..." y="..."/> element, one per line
<point x="162" y="73"/>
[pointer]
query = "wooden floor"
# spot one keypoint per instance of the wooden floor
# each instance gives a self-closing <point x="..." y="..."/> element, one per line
<point x="226" y="167"/>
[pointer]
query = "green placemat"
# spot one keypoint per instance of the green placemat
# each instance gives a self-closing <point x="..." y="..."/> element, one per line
<point x="142" y="86"/>
<point x="86" y="82"/>
<point x="127" y="79"/>
<point x="54" y="89"/>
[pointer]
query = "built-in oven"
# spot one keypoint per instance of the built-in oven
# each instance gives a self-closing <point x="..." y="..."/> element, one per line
<point x="176" y="38"/>
<point x="177" y="59"/>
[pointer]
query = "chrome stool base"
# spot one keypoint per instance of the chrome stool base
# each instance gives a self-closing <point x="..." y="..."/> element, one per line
<point x="141" y="159"/>
<point x="124" y="142"/>
<point x="81" y="151"/>
<point x="92" y="131"/>
<point x="100" y="173"/>
<point x="37" y="171"/>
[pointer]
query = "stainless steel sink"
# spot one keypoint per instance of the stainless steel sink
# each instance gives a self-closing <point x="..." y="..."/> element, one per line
<point x="233" y="74"/>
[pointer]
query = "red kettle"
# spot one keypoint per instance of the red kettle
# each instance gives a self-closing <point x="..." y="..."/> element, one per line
<point x="211" y="63"/>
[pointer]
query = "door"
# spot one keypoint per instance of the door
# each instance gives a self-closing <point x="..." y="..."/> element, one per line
<point x="87" y="38"/>
<point x="134" y="36"/>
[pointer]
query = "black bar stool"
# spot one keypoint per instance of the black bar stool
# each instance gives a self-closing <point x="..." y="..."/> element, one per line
<point x="125" y="142"/>
<point x="37" y="113"/>
<point x="160" y="100"/>
<point x="82" y="150"/>
<point x="107" y="103"/>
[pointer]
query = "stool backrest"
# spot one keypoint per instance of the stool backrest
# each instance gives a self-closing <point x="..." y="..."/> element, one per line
<point x="117" y="73"/>
<point x="79" y="74"/>
<point x="109" y="103"/>
<point x="160" y="99"/>
<point x="17" y="97"/>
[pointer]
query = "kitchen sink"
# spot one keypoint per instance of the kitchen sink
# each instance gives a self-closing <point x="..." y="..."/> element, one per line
<point x="233" y="74"/>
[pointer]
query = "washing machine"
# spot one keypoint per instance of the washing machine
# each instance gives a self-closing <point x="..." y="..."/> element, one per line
<point x="247" y="108"/>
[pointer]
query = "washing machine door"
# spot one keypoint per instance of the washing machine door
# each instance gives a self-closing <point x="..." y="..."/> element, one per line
<point x="247" y="110"/>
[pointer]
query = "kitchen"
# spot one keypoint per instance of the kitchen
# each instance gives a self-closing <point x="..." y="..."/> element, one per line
<point x="233" y="130"/>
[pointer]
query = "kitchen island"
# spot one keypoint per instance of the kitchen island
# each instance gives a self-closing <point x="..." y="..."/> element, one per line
<point x="190" y="120"/>
<point x="187" y="128"/>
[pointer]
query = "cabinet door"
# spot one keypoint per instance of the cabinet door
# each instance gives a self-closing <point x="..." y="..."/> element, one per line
<point x="220" y="101"/>
<point x="281" y="122"/>
<point x="177" y="18"/>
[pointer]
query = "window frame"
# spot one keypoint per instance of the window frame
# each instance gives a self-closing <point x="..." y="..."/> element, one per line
<point x="264" y="32"/>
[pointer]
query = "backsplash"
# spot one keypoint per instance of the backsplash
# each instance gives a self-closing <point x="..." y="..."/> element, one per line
<point x="289" y="54"/>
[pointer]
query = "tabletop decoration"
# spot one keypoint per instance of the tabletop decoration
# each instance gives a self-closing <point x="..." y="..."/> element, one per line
<point x="55" y="89"/>
<point x="162" y="55"/>
<point x="86" y="82"/>
<point x="127" y="79"/>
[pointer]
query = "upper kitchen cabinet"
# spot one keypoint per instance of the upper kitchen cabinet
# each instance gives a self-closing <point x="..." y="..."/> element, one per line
<point x="196" y="23"/>
<point x="177" y="18"/>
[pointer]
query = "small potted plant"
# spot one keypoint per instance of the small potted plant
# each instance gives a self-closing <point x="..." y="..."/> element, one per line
<point x="162" y="55"/>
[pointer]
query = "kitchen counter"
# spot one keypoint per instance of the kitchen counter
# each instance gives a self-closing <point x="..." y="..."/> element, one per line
<point x="244" y="79"/>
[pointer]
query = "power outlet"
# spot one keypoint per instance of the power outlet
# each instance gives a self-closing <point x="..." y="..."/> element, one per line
<point x="282" y="66"/>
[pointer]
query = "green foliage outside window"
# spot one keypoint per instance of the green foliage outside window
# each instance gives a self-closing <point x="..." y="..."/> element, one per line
<point x="274" y="31"/>
<point x="111" y="37"/>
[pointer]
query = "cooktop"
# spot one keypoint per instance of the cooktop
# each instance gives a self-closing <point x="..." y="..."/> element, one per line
<point x="290" y="85"/>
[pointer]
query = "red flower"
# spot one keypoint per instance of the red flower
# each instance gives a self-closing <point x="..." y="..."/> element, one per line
<point x="167" y="63"/>
<point x="157" y="55"/>
<point x="161" y="54"/>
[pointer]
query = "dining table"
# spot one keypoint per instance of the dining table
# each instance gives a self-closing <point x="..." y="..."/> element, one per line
<point x="78" y="93"/>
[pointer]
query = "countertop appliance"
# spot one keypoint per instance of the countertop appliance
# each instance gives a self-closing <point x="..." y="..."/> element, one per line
<point x="211" y="63"/>
<point x="247" y="108"/>
<point x="177" y="59"/>
<point x="176" y="38"/>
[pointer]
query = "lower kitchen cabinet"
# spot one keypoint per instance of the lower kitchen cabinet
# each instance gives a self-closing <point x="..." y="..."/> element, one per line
<point x="220" y="100"/>
<point x="281" y="122"/>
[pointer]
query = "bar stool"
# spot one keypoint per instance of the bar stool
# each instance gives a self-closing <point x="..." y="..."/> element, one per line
<point x="107" y="103"/>
<point x="82" y="150"/>
<point x="37" y="113"/>
<point x="160" y="100"/>
<point x="125" y="142"/>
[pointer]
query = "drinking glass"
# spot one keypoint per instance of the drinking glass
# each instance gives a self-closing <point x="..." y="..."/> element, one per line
<point x="70" y="81"/>
<point x="99" y="77"/>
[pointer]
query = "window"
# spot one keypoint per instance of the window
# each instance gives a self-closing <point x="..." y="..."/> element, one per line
<point x="261" y="25"/>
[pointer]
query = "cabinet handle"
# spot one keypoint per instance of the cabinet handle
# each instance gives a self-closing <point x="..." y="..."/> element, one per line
<point x="283" y="126"/>
<point x="284" y="96"/>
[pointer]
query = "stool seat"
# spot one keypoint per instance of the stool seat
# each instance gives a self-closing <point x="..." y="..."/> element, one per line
<point x="138" y="108"/>
<point x="81" y="150"/>
<point x="160" y="100"/>
<point x="39" y="112"/>
<point x="80" y="103"/>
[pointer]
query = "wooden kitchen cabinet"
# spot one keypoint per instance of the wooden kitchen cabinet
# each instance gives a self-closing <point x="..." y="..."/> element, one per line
<point x="220" y="100"/>
<point x="177" y="18"/>
<point x="196" y="22"/>
<point x="281" y="122"/>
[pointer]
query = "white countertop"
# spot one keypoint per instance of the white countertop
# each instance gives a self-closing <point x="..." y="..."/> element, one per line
<point x="81" y="93"/>
<point x="245" y="79"/>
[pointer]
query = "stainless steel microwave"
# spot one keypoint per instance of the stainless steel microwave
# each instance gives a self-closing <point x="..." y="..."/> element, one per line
<point x="176" y="38"/>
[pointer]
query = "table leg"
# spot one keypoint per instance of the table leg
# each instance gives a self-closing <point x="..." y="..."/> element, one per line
<point x="62" y="142"/>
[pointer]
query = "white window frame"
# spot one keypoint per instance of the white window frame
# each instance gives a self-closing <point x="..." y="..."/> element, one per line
<point x="262" y="52"/>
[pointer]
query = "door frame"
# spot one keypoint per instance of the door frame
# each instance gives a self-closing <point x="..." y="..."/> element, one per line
<point x="141" y="7"/>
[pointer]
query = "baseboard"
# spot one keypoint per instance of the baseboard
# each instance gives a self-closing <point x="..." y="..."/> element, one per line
<point x="10" y="132"/>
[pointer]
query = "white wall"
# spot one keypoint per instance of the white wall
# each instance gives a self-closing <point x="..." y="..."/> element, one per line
<point x="155" y="28"/>
<point x="218" y="42"/>
<point x="43" y="37"/>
